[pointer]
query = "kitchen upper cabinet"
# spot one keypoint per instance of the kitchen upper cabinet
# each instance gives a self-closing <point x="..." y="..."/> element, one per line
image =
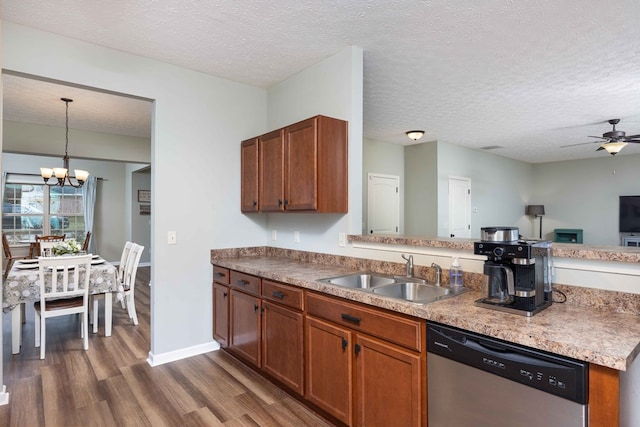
<point x="271" y="181"/>
<point x="303" y="167"/>
<point x="250" y="175"/>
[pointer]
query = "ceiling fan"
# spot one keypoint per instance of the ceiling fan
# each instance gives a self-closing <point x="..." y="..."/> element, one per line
<point x="614" y="141"/>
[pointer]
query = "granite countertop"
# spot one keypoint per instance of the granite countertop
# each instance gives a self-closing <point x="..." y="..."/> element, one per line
<point x="600" y="337"/>
<point x="558" y="250"/>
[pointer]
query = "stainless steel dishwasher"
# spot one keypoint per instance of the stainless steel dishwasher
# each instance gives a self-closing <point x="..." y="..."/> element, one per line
<point x="477" y="381"/>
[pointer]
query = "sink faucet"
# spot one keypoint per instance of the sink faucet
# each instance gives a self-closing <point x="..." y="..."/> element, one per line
<point x="438" y="272"/>
<point x="409" y="264"/>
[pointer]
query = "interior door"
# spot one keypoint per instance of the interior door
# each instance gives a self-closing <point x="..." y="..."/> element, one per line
<point x="459" y="207"/>
<point x="383" y="206"/>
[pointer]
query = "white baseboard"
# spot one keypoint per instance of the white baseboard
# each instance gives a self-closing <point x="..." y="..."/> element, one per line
<point x="183" y="353"/>
<point x="4" y="396"/>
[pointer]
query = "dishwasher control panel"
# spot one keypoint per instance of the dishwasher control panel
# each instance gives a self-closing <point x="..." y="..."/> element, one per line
<point x="558" y="375"/>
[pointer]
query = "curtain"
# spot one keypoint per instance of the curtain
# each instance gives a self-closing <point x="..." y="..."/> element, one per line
<point x="89" y="198"/>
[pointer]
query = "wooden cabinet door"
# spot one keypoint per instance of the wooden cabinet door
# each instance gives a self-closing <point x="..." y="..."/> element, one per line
<point x="283" y="345"/>
<point x="389" y="388"/>
<point x="271" y="166"/>
<point x="221" y="314"/>
<point x="245" y="326"/>
<point x="249" y="175"/>
<point x="301" y="179"/>
<point x="329" y="373"/>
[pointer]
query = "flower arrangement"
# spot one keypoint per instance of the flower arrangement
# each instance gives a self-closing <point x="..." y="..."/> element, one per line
<point x="67" y="247"/>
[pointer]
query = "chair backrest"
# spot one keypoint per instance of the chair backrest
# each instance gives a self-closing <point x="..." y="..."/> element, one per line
<point x="123" y="260"/>
<point x="135" y="253"/>
<point x="5" y="246"/>
<point x="64" y="277"/>
<point x="51" y="238"/>
<point x="85" y="245"/>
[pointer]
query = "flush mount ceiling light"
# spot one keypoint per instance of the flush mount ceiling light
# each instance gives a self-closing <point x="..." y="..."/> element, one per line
<point x="415" y="134"/>
<point x="613" y="148"/>
<point x="62" y="174"/>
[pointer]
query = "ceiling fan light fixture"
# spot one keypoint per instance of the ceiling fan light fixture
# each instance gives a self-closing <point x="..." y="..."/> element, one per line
<point x="613" y="148"/>
<point x="415" y="134"/>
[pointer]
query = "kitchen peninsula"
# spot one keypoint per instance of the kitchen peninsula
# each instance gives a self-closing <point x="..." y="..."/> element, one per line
<point x="578" y="330"/>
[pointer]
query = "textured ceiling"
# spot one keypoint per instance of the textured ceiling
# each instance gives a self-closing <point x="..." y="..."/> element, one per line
<point x="528" y="76"/>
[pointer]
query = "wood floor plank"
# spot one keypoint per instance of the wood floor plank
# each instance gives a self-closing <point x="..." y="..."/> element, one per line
<point x="112" y="384"/>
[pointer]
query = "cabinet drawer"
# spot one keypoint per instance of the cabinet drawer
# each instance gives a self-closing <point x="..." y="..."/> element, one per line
<point x="283" y="294"/>
<point x="221" y="275"/>
<point x="245" y="282"/>
<point x="376" y="322"/>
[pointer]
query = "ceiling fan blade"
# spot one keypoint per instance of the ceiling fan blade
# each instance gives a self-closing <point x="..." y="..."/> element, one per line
<point x="580" y="143"/>
<point x="599" y="137"/>
<point x="633" y="140"/>
<point x="600" y="148"/>
<point x="632" y="136"/>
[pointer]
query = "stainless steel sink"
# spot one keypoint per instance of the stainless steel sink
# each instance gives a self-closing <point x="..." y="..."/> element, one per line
<point x="398" y="287"/>
<point x="360" y="280"/>
<point x="415" y="292"/>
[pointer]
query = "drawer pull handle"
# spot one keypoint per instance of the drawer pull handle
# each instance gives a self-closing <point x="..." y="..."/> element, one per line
<point x="279" y="295"/>
<point x="350" y="318"/>
<point x="344" y="343"/>
<point x="220" y="274"/>
<point x="242" y="282"/>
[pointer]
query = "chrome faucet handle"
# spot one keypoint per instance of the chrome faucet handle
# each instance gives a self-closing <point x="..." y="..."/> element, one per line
<point x="409" y="264"/>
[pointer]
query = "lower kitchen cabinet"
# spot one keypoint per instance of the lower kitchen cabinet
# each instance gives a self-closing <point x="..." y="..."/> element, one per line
<point x="388" y="384"/>
<point x="245" y="326"/>
<point x="221" y="314"/>
<point x="282" y="345"/>
<point x="361" y="379"/>
<point x="329" y="368"/>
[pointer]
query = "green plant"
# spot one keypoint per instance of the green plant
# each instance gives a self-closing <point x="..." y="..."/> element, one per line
<point x="70" y="246"/>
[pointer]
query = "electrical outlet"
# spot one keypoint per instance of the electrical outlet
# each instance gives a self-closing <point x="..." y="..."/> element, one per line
<point x="172" y="238"/>
<point x="342" y="239"/>
<point x="274" y="235"/>
<point x="296" y="237"/>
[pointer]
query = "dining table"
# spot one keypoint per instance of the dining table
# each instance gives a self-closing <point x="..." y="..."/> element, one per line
<point x="22" y="285"/>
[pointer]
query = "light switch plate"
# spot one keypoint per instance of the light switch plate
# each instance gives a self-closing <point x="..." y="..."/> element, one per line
<point x="296" y="237"/>
<point x="342" y="239"/>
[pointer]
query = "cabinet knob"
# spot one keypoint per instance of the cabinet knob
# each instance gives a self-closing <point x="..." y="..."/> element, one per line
<point x="344" y="343"/>
<point x="255" y="203"/>
<point x="279" y="202"/>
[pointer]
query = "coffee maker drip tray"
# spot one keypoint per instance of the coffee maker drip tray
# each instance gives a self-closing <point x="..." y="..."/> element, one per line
<point x="508" y="308"/>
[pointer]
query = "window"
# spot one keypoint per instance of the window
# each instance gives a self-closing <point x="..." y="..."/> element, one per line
<point x="30" y="209"/>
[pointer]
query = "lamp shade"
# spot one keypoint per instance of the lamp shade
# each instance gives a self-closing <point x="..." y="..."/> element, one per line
<point x="535" y="210"/>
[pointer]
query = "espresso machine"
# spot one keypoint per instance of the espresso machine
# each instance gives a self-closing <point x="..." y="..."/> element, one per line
<point x="517" y="272"/>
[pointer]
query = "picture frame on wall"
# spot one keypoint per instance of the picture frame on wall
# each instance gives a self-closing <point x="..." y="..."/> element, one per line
<point x="145" y="209"/>
<point x="144" y="195"/>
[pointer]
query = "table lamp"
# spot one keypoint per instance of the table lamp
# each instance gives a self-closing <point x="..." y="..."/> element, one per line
<point x="537" y="211"/>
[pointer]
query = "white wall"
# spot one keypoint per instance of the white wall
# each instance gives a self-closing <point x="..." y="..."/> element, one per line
<point x="584" y="194"/>
<point x="421" y="173"/>
<point x="382" y="158"/>
<point x="141" y="224"/>
<point x="500" y="188"/>
<point x="28" y="137"/>
<point x="332" y="88"/>
<point x="198" y="123"/>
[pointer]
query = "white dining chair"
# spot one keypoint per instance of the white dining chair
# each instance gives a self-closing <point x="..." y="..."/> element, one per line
<point x="123" y="264"/>
<point x="64" y="290"/>
<point x="129" y="281"/>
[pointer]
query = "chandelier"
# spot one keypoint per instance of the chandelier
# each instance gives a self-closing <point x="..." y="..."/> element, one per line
<point x="62" y="174"/>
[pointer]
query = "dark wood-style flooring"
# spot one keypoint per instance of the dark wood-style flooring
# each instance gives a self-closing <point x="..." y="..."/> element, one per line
<point x="112" y="384"/>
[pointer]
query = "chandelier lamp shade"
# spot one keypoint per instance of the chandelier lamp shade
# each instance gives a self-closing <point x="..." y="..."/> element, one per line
<point x="613" y="148"/>
<point x="415" y="134"/>
<point x="61" y="175"/>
